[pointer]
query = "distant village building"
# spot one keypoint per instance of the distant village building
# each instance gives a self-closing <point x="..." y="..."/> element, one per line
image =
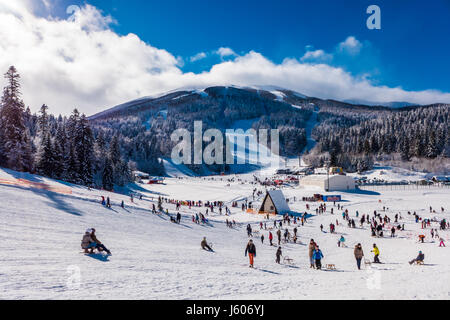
<point x="274" y="203"/>
<point x="139" y="176"/>
<point x="336" y="182"/>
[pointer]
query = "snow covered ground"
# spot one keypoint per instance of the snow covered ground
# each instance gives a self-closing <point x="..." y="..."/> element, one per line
<point x="41" y="231"/>
<point x="392" y="174"/>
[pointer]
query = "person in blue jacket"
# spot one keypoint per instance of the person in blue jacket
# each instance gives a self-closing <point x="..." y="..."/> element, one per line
<point x="317" y="255"/>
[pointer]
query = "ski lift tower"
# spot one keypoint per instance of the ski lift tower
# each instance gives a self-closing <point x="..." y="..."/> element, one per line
<point x="328" y="162"/>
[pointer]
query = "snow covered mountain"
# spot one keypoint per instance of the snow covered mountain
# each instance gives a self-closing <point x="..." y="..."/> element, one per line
<point x="305" y="123"/>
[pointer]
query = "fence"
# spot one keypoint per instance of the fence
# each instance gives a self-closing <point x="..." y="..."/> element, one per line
<point x="398" y="186"/>
<point x="35" y="185"/>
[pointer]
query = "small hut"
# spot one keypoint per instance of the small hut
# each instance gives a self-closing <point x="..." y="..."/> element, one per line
<point x="274" y="203"/>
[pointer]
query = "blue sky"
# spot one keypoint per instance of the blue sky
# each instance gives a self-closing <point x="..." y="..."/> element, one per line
<point x="110" y="52"/>
<point x="411" y="50"/>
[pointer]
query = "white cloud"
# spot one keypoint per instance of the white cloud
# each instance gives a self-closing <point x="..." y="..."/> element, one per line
<point x="225" y="52"/>
<point x="198" y="56"/>
<point x="83" y="63"/>
<point x="351" y="45"/>
<point x="316" y="56"/>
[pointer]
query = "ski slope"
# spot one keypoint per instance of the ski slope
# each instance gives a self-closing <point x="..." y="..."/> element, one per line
<point x="41" y="231"/>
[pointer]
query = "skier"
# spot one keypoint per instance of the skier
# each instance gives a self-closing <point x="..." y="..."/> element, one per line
<point x="251" y="250"/>
<point x="278" y="255"/>
<point x="178" y="218"/>
<point x="262" y="239"/>
<point x="359" y="254"/>
<point x="108" y="202"/>
<point x="317" y="255"/>
<point x="441" y="243"/>
<point x="205" y="245"/>
<point x="270" y="238"/>
<point x="279" y="236"/>
<point x="376" y="252"/>
<point x="419" y="258"/>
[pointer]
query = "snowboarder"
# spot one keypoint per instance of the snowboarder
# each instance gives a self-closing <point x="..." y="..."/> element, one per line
<point x="359" y="254"/>
<point x="278" y="255"/>
<point x="251" y="250"/>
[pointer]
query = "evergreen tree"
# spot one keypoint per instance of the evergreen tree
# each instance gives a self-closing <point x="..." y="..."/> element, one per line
<point x="405" y="150"/>
<point x="107" y="176"/>
<point x="83" y="146"/>
<point x="432" y="151"/>
<point x="59" y="152"/>
<point x="45" y="164"/>
<point x="16" y="143"/>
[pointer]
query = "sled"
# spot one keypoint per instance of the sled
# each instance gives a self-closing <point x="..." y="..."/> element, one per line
<point x="103" y="257"/>
<point x="288" y="261"/>
<point x="330" y="267"/>
<point x="367" y="262"/>
<point x="419" y="263"/>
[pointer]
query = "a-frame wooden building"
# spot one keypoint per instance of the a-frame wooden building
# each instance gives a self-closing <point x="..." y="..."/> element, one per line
<point x="274" y="203"/>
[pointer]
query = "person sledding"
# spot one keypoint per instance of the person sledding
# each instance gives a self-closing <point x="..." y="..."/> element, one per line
<point x="90" y="242"/>
<point x="205" y="246"/>
<point x="420" y="258"/>
<point x="251" y="250"/>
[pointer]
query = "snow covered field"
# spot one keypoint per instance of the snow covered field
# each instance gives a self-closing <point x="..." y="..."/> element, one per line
<point x="41" y="231"/>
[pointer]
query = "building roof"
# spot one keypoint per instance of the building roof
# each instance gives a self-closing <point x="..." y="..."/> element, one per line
<point x="279" y="201"/>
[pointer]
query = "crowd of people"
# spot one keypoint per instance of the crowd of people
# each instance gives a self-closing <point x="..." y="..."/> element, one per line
<point x="286" y="229"/>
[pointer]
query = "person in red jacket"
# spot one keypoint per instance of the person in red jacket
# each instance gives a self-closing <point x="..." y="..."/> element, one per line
<point x="270" y="238"/>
